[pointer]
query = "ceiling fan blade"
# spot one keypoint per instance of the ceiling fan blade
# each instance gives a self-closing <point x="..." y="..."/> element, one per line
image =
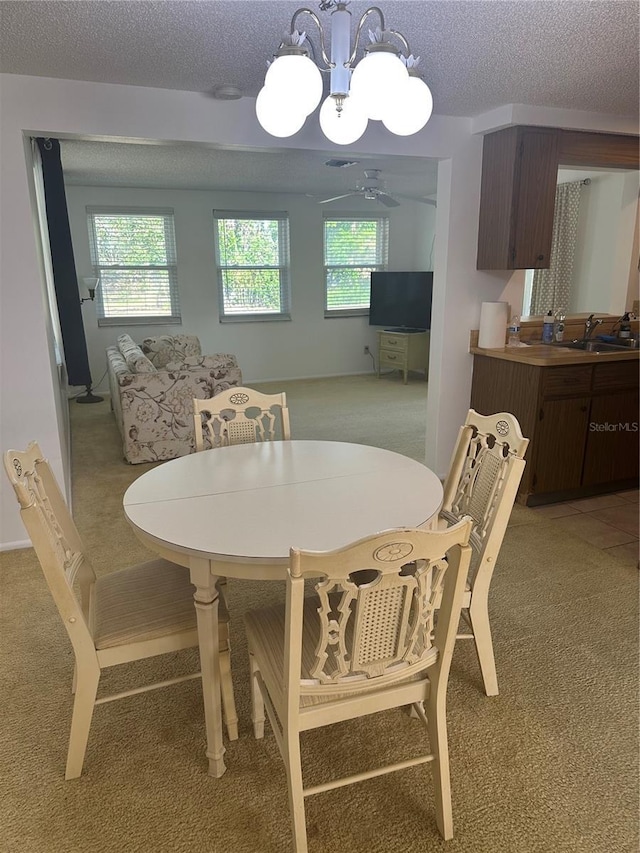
<point x="387" y="200"/>
<point x="336" y="197"/>
<point x="430" y="201"/>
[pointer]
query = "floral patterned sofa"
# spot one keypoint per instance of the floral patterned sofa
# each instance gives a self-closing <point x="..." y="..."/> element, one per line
<point x="152" y="389"/>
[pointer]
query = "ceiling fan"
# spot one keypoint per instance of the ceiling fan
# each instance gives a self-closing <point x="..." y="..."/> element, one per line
<point x="373" y="189"/>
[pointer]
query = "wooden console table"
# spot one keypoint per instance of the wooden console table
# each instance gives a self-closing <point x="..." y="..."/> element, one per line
<point x="403" y="351"/>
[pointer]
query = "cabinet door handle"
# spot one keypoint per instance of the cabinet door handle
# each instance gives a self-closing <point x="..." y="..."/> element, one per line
<point x="541" y="257"/>
<point x="392" y="341"/>
<point x="392" y="357"/>
<point x="583" y="408"/>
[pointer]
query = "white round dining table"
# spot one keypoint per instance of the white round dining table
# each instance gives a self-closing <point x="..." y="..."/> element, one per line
<point x="236" y="511"/>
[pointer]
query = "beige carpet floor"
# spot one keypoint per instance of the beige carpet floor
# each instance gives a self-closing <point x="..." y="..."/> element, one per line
<point x="549" y="765"/>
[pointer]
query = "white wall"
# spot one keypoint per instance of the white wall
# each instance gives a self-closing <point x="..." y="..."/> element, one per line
<point x="59" y="108"/>
<point x="322" y="347"/>
<point x="32" y="398"/>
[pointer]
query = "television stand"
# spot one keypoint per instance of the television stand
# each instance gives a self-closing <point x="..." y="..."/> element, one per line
<point x="404" y="350"/>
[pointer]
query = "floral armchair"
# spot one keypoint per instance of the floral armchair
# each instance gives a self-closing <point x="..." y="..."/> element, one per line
<point x="152" y="390"/>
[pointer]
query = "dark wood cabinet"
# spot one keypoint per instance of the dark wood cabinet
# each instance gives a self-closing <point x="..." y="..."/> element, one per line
<point x="517" y="198"/>
<point x="559" y="444"/>
<point x="581" y="419"/>
<point x="600" y="150"/>
<point x="612" y="441"/>
<point x="519" y="175"/>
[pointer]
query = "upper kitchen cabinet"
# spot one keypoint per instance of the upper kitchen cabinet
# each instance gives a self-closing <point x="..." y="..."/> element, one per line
<point x="519" y="176"/>
<point x="519" y="168"/>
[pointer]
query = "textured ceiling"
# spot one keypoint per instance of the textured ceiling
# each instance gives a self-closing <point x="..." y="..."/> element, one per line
<point x="196" y="167"/>
<point x="476" y="55"/>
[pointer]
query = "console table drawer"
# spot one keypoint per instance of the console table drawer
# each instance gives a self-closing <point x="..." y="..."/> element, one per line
<point x="392" y="358"/>
<point x="393" y="342"/>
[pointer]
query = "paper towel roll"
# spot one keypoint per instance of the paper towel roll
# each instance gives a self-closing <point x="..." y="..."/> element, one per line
<point x="493" y="324"/>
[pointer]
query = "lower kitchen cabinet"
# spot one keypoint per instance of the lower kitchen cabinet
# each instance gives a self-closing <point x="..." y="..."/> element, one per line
<point x="612" y="440"/>
<point x="581" y="419"/>
<point x="560" y="442"/>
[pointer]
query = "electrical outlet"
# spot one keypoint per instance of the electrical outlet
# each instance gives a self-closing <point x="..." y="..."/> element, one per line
<point x="367" y="351"/>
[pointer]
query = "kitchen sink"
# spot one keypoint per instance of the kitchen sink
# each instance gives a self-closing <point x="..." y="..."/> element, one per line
<point x="594" y="346"/>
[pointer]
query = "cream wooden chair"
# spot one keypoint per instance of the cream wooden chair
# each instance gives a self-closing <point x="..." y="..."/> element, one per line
<point x="365" y="643"/>
<point x="240" y="416"/>
<point x="126" y="615"/>
<point x="483" y="479"/>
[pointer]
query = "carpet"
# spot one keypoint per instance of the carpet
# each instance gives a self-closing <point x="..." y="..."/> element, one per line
<point x="549" y="764"/>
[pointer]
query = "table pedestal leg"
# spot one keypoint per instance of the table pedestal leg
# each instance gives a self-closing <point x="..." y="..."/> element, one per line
<point x="206" y="603"/>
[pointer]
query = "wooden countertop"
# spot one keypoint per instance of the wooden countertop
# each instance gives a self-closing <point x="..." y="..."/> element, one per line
<point x="544" y="355"/>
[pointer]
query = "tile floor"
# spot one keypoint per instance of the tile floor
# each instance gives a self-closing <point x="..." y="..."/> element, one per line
<point x="610" y="522"/>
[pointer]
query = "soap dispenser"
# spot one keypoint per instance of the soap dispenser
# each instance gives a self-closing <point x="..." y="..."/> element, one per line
<point x="547" y="328"/>
<point x="625" y="327"/>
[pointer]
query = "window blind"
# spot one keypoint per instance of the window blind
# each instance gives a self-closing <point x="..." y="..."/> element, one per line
<point x="133" y="251"/>
<point x="252" y="258"/>
<point x="354" y="247"/>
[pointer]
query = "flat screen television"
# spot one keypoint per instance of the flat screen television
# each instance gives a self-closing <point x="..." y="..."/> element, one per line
<point x="401" y="301"/>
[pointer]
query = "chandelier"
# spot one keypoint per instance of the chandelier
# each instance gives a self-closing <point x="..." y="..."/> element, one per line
<point x="383" y="86"/>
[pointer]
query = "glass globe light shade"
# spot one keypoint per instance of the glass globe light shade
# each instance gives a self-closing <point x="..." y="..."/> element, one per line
<point x="376" y="80"/>
<point x="410" y="110"/>
<point x="276" y="115"/>
<point x="343" y="127"/>
<point x="298" y="79"/>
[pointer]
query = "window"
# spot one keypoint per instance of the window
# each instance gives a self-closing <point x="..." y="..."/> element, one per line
<point x="353" y="249"/>
<point x="133" y="250"/>
<point x="252" y="257"/>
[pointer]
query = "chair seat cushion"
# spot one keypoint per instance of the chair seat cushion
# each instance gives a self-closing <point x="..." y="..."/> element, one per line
<point x="266" y="636"/>
<point x="143" y="602"/>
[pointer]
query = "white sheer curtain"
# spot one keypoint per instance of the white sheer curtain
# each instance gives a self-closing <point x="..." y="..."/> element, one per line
<point x="551" y="287"/>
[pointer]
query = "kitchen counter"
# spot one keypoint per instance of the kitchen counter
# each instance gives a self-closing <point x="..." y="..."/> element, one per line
<point x="578" y="409"/>
<point x="545" y="355"/>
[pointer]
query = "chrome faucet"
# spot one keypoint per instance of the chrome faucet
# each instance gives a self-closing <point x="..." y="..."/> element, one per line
<point x="589" y="326"/>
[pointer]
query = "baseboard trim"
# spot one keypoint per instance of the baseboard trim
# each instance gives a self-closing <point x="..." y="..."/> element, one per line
<point x="15" y="546"/>
<point x="305" y="378"/>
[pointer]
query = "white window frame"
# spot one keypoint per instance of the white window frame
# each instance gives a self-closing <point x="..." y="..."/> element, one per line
<point x="382" y="258"/>
<point x="171" y="267"/>
<point x="283" y="266"/>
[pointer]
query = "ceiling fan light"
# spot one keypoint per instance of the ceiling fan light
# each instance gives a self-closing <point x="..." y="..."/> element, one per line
<point x="298" y="78"/>
<point x="376" y="80"/>
<point x="276" y="115"/>
<point x="343" y="127"/>
<point x="410" y="110"/>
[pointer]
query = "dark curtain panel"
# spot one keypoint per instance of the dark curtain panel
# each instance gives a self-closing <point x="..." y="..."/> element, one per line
<point x="63" y="263"/>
